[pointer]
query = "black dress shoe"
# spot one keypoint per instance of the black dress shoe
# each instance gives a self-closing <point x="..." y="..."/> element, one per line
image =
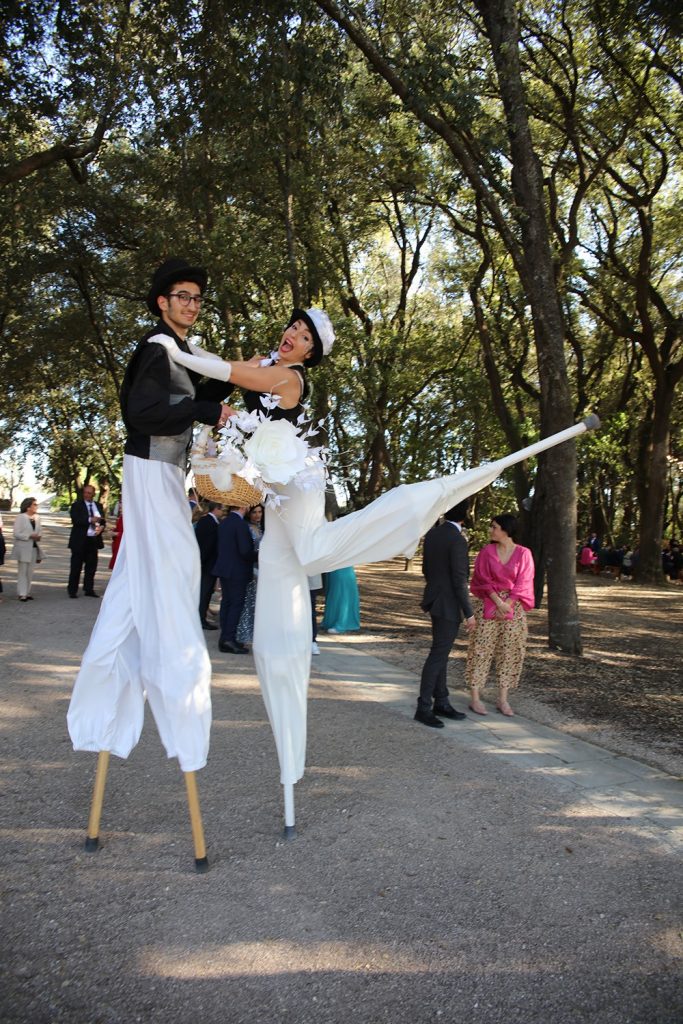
<point x="73" y="595"/>
<point x="208" y="625"/>
<point x="231" y="647"/>
<point x="91" y="593"/>
<point x="427" y="718"/>
<point x="448" y="712"/>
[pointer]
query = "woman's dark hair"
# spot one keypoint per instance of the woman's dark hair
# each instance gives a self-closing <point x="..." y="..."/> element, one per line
<point x="507" y="522"/>
<point x="26" y="504"/>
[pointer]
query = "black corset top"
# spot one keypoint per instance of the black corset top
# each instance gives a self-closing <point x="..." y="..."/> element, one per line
<point x="252" y="400"/>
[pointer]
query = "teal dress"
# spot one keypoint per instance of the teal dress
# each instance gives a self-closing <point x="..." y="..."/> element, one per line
<point x="342" y="603"/>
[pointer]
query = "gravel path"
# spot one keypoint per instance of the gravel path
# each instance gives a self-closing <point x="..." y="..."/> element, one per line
<point x="424" y="885"/>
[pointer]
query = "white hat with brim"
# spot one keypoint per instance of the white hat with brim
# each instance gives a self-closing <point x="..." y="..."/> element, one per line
<point x="320" y="327"/>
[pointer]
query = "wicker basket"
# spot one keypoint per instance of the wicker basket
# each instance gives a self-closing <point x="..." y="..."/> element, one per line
<point x="241" y="493"/>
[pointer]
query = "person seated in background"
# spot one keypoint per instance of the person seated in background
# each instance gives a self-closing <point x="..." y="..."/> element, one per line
<point x="588" y="560"/>
<point x="672" y="561"/>
<point x="611" y="561"/>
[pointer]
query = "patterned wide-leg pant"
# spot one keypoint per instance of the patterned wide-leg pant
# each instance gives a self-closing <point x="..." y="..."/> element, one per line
<point x="502" y="640"/>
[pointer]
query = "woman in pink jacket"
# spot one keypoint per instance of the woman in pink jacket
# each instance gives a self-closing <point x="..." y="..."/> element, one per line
<point x="503" y="586"/>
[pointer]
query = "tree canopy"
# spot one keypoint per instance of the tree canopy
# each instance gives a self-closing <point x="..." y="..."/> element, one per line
<point x="483" y="195"/>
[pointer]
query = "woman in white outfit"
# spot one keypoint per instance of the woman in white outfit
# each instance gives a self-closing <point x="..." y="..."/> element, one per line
<point x="299" y="541"/>
<point x="26" y="549"/>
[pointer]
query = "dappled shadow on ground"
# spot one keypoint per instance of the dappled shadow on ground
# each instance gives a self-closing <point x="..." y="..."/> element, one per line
<point x="420" y="881"/>
<point x="428" y="881"/>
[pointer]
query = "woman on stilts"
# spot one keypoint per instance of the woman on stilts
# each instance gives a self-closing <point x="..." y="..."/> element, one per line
<point x="300" y="542"/>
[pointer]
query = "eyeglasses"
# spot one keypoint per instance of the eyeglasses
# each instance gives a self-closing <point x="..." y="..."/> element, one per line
<point x="184" y="298"/>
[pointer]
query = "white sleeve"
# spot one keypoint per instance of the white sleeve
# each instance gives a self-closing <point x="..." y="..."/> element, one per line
<point x="206" y="364"/>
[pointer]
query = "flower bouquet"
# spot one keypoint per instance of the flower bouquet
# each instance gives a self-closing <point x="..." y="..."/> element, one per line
<point x="252" y="453"/>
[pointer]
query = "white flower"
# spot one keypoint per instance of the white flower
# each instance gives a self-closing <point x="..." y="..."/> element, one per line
<point x="277" y="451"/>
<point x="251" y="473"/>
<point x="270" y="401"/>
<point x="230" y="459"/>
<point x="247" y="421"/>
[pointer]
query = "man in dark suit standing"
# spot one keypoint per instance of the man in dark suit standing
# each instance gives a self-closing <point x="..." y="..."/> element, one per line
<point x="206" y="532"/>
<point x="85" y="540"/>
<point x="445" y="566"/>
<point x="235" y="566"/>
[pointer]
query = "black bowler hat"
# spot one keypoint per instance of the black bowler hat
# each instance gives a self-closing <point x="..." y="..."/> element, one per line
<point x="167" y="274"/>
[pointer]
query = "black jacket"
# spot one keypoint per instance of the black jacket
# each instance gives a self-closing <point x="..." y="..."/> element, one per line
<point x="236" y="551"/>
<point x="206" y="532"/>
<point x="445" y="565"/>
<point x="80" y="519"/>
<point x="148" y="406"/>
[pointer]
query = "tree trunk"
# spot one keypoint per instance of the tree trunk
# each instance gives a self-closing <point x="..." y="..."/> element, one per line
<point x="652" y="487"/>
<point x="533" y="261"/>
<point x="379" y="461"/>
<point x="556" y="485"/>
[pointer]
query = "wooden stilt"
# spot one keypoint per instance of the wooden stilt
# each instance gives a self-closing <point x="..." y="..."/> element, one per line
<point x="92" y="839"/>
<point x="289" y="830"/>
<point x="200" y="859"/>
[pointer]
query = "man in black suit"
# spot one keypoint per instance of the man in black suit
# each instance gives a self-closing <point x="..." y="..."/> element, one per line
<point x="206" y="532"/>
<point x="445" y="566"/>
<point x="235" y="566"/>
<point x="85" y="540"/>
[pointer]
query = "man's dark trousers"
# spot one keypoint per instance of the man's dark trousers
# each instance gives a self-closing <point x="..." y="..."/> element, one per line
<point x="84" y="557"/>
<point x="235" y="566"/>
<point x="434" y="672"/>
<point x="445" y="566"/>
<point x="233" y="592"/>
<point x="206" y="532"/>
<point x="207" y="586"/>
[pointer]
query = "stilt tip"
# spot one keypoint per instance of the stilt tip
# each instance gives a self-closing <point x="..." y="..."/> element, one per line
<point x="289" y="832"/>
<point x="201" y="865"/>
<point x="592" y="422"/>
<point x="92" y="844"/>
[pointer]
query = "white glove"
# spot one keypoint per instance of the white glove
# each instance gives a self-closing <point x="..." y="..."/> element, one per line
<point x="197" y="350"/>
<point x="207" y="365"/>
<point x="163" y="339"/>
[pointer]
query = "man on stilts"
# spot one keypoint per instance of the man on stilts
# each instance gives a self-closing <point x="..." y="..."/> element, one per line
<point x="148" y="639"/>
